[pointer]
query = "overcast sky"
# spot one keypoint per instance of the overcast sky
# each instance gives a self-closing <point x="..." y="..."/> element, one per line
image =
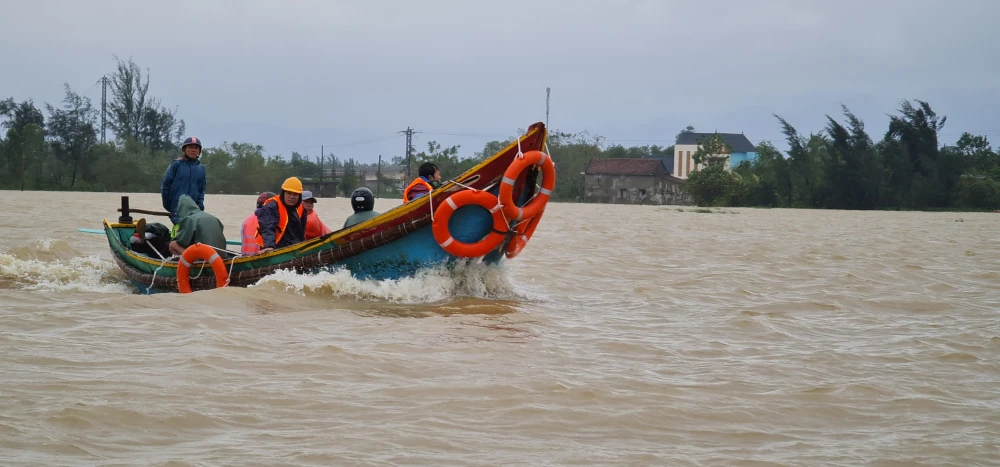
<point x="295" y="74"/>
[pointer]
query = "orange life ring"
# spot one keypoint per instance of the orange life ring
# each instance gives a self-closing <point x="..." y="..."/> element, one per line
<point x="524" y="232"/>
<point x="442" y="215"/>
<point x="194" y="253"/>
<point x="537" y="203"/>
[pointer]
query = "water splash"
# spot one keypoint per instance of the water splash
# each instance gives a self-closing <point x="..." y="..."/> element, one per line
<point x="54" y="266"/>
<point x="427" y="286"/>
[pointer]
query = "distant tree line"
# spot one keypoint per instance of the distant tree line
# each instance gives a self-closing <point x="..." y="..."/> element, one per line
<point x="842" y="167"/>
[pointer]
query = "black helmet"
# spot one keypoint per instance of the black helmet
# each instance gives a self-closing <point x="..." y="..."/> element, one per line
<point x="362" y="200"/>
<point x="191" y="141"/>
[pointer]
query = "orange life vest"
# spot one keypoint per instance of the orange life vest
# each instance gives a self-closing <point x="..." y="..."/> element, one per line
<point x="418" y="181"/>
<point x="249" y="235"/>
<point x="315" y="227"/>
<point x="282" y="220"/>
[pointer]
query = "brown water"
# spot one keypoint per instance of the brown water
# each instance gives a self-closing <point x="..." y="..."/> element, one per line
<point x="622" y="335"/>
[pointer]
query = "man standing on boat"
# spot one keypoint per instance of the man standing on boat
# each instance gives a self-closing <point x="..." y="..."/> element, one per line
<point x="428" y="177"/>
<point x="184" y="176"/>
<point x="282" y="219"/>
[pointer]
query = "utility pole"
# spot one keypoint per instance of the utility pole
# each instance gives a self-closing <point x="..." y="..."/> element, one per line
<point x="378" y="177"/>
<point x="409" y="146"/>
<point x="548" y="90"/>
<point x="104" y="109"/>
<point x="320" y="166"/>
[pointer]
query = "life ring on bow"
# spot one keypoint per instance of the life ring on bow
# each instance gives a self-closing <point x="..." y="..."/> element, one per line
<point x="524" y="232"/>
<point x="537" y="203"/>
<point x="200" y="251"/>
<point x="442" y="234"/>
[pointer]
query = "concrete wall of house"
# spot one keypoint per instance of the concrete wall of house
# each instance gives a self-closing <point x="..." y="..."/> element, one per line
<point x="683" y="159"/>
<point x="634" y="189"/>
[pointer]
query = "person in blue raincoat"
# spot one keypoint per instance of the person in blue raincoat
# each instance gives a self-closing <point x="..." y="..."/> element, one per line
<point x="184" y="176"/>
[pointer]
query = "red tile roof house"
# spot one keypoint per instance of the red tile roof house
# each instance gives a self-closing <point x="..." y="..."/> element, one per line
<point x="632" y="181"/>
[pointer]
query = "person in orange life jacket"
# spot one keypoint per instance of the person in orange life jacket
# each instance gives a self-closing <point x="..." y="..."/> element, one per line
<point x="429" y="178"/>
<point x="248" y="232"/>
<point x="314" y="227"/>
<point x="282" y="219"/>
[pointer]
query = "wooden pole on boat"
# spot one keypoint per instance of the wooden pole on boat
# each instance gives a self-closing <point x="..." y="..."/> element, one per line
<point x="125" y="218"/>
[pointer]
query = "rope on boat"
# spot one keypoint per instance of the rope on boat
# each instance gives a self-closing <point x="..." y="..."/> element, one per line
<point x="162" y="262"/>
<point x="229" y="276"/>
<point x="467" y="187"/>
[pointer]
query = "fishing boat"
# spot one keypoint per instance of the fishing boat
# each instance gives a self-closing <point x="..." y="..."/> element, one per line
<point x="486" y="214"/>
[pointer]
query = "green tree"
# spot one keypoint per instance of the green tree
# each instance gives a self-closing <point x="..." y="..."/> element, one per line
<point x="20" y="115"/>
<point x="24" y="155"/>
<point x="712" y="151"/>
<point x="138" y="115"/>
<point x="72" y="131"/>
<point x="713" y="186"/>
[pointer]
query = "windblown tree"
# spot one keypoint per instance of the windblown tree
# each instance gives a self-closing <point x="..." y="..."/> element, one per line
<point x="72" y="132"/>
<point x="137" y="115"/>
<point x="17" y="116"/>
<point x="912" y="143"/>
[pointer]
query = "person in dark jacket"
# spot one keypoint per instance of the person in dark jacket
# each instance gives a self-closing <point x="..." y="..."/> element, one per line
<point x="196" y="226"/>
<point x="282" y="219"/>
<point x="184" y="176"/>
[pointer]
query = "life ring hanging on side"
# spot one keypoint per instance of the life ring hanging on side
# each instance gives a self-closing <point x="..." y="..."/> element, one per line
<point x="200" y="251"/>
<point x="524" y="232"/>
<point x="537" y="203"/>
<point x="442" y="234"/>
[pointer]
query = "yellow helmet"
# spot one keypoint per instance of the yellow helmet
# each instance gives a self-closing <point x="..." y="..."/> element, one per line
<point x="292" y="185"/>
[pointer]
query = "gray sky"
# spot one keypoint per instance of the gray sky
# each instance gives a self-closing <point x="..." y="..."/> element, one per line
<point x="292" y="75"/>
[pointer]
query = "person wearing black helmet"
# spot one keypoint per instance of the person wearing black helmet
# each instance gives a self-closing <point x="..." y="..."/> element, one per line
<point x="184" y="176"/>
<point x="363" y="202"/>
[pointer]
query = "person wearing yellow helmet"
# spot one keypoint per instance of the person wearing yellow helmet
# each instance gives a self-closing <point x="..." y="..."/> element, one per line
<point x="282" y="219"/>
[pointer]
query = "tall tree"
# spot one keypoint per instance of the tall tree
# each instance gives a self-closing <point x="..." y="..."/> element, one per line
<point x="138" y="115"/>
<point x="72" y="130"/>
<point x="913" y="136"/>
<point x="20" y="115"/>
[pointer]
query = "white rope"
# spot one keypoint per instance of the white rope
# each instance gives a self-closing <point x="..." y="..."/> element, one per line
<point x="229" y="276"/>
<point x="200" y="270"/>
<point x="467" y="187"/>
<point x="154" y="273"/>
<point x="162" y="262"/>
<point x="520" y="155"/>
<point x="430" y="200"/>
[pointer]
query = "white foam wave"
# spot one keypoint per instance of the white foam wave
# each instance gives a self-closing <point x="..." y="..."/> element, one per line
<point x="427" y="286"/>
<point x="52" y="266"/>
